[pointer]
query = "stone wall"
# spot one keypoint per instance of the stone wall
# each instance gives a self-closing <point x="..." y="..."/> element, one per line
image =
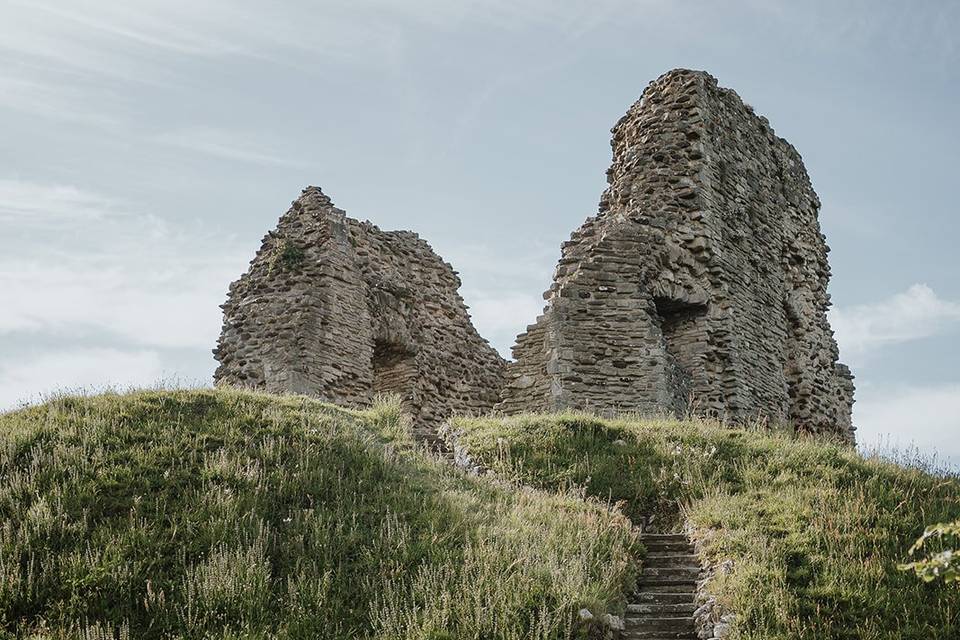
<point x="338" y="309"/>
<point x="702" y="282"/>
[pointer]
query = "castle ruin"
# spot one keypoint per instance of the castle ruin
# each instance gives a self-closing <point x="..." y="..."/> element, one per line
<point x="701" y="285"/>
<point x="702" y="282"/>
<point x="338" y="309"/>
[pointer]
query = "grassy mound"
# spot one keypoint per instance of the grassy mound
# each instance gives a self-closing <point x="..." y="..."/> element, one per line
<point x="815" y="530"/>
<point x="223" y="514"/>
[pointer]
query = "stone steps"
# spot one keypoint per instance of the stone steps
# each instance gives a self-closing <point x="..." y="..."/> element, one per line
<point x="663" y="605"/>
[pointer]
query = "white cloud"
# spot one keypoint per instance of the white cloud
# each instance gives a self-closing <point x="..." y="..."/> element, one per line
<point x="927" y="418"/>
<point x="910" y="315"/>
<point x="53" y="98"/>
<point x="224" y="144"/>
<point x="128" y="276"/>
<point x="83" y="62"/>
<point x="500" y="313"/>
<point x="128" y="39"/>
<point x="33" y="204"/>
<point x="77" y="370"/>
<point x="500" y="317"/>
<point x="169" y="304"/>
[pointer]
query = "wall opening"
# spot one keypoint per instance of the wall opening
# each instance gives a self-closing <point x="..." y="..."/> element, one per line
<point x="394" y="370"/>
<point x="681" y="324"/>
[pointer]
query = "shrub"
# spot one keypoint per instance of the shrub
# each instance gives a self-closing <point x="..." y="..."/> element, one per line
<point x="937" y="564"/>
<point x="286" y="256"/>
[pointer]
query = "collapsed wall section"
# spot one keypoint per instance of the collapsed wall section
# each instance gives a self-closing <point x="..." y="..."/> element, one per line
<point x="340" y="310"/>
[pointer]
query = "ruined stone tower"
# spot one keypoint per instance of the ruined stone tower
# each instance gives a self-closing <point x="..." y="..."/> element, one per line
<point x="702" y="281"/>
<point x="340" y="310"/>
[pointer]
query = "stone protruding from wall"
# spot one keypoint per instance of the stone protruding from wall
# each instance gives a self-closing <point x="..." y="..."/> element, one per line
<point x="701" y="284"/>
<point x="340" y="310"/>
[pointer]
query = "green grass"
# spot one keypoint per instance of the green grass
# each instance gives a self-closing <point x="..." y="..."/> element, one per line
<point x="815" y="530"/>
<point x="226" y="514"/>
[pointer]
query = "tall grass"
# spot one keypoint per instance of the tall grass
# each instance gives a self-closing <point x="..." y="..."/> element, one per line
<point x="814" y="529"/>
<point x="226" y="514"/>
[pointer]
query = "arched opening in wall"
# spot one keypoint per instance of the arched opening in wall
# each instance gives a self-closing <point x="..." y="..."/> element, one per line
<point x="394" y="371"/>
<point x="684" y="336"/>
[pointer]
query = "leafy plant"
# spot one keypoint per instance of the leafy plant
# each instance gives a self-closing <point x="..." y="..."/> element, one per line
<point x="286" y="255"/>
<point x="940" y="563"/>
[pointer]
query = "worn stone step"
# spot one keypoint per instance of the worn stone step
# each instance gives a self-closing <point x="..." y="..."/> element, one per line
<point x="660" y="580"/>
<point x="688" y="588"/>
<point x="661" y="547"/>
<point x="644" y="634"/>
<point x="662" y="608"/>
<point x="670" y="572"/>
<point x="671" y="559"/>
<point x="665" y="597"/>
<point x="670" y="623"/>
<point x="659" y="542"/>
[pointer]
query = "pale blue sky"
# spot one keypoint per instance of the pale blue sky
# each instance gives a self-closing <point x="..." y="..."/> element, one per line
<point x="150" y="144"/>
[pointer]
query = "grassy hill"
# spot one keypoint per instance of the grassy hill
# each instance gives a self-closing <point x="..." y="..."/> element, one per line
<point x="813" y="530"/>
<point x="227" y="514"/>
<point x="224" y="514"/>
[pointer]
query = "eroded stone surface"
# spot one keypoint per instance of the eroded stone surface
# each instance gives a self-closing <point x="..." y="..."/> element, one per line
<point x="702" y="282"/>
<point x="338" y="309"/>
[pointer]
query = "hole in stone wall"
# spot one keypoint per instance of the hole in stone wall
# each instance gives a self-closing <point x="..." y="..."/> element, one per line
<point x="683" y="333"/>
<point x="394" y="371"/>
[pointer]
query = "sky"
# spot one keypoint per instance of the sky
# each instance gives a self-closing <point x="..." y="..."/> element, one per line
<point x="150" y="144"/>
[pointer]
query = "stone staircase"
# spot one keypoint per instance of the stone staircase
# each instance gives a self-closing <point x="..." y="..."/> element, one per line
<point x="663" y="605"/>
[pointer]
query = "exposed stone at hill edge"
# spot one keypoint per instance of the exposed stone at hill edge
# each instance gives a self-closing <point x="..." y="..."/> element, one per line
<point x="701" y="283"/>
<point x="338" y="309"/>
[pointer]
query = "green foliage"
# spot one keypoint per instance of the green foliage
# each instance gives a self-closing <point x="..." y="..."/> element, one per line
<point x="814" y="530"/>
<point x="227" y="514"/>
<point x="286" y="255"/>
<point x="938" y="563"/>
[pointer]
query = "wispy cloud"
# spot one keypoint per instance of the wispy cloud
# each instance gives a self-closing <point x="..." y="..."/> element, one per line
<point x="144" y="299"/>
<point x="927" y="418"/>
<point x="226" y="145"/>
<point x="33" y="204"/>
<point x="910" y="315"/>
<point x="51" y="97"/>
<point x="500" y="317"/>
<point x="130" y="277"/>
<point x="76" y="370"/>
<point x="505" y="287"/>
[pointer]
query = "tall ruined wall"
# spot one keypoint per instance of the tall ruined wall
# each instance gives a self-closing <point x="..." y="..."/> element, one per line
<point x="338" y="309"/>
<point x="700" y="284"/>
